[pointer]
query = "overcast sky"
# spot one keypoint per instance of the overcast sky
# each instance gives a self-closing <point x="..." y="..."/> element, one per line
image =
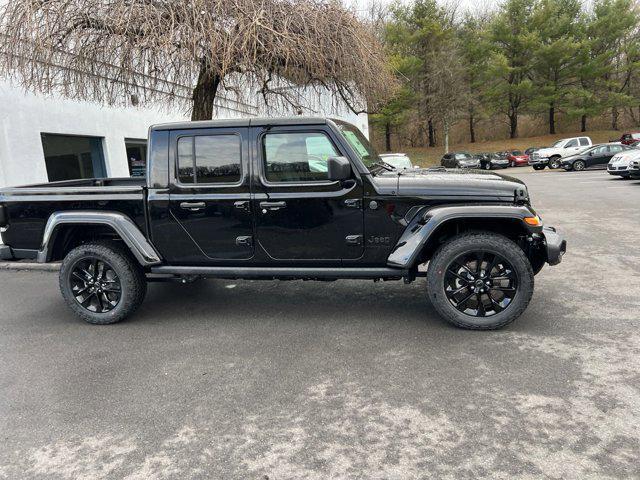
<point x="463" y="5"/>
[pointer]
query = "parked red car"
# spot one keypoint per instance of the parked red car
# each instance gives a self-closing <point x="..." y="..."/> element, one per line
<point x="517" y="159"/>
<point x="629" y="137"/>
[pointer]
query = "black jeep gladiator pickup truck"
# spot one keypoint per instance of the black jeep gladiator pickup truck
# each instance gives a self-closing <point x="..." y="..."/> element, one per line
<point x="286" y="198"/>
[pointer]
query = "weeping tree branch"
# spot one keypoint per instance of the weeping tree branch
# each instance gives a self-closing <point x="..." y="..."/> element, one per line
<point x="108" y="50"/>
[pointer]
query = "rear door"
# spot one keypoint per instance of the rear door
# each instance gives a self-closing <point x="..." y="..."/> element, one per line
<point x="611" y="151"/>
<point x="598" y="156"/>
<point x="300" y="215"/>
<point x="210" y="195"/>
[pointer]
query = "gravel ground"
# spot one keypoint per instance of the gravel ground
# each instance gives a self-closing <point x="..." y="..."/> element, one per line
<point x="305" y="380"/>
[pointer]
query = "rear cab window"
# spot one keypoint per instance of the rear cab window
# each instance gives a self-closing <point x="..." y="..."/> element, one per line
<point x="209" y="159"/>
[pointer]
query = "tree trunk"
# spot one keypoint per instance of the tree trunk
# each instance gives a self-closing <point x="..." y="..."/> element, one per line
<point x="513" y="125"/>
<point x="446" y="137"/>
<point x="204" y="94"/>
<point x="552" y="118"/>
<point x="472" y="130"/>
<point x="614" y="118"/>
<point x="387" y="136"/>
<point x="432" y="134"/>
<point x="583" y="123"/>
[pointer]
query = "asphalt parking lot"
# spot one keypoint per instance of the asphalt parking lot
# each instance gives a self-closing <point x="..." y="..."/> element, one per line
<point x="306" y="380"/>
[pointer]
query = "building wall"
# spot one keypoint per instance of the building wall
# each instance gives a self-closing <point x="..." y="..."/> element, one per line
<point x="24" y="116"/>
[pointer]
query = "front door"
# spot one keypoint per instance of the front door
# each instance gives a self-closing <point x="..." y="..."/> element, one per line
<point x="300" y="214"/>
<point x="210" y="195"/>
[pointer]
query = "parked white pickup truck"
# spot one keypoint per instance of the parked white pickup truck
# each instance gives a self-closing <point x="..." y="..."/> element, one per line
<point x="551" y="156"/>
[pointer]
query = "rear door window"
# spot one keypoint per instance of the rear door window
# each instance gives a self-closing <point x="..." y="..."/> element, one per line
<point x="584" y="142"/>
<point x="209" y="159"/>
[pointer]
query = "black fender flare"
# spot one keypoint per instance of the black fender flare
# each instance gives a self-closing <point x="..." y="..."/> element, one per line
<point x="426" y="221"/>
<point x="123" y="226"/>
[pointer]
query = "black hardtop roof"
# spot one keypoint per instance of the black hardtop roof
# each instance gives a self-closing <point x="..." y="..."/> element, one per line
<point x="242" y="122"/>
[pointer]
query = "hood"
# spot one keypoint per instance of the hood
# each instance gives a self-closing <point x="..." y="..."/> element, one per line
<point x="451" y="182"/>
<point x="625" y="156"/>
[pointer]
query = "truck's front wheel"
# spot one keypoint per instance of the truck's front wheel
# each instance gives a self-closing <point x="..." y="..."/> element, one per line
<point x="480" y="281"/>
<point x="554" y="163"/>
<point x="102" y="283"/>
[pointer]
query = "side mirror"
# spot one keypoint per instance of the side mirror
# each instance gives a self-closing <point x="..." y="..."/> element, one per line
<point x="338" y="168"/>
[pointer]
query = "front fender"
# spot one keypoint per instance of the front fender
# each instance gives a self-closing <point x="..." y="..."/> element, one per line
<point x="120" y="223"/>
<point x="426" y="222"/>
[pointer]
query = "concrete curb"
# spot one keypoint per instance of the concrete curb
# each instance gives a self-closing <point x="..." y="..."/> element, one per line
<point x="43" y="267"/>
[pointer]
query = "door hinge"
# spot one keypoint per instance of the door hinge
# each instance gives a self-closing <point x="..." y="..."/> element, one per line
<point x="354" y="239"/>
<point x="353" y="203"/>
<point x="244" y="241"/>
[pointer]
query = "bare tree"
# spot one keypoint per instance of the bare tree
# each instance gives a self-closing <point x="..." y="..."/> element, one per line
<point x="164" y="51"/>
<point x="447" y="95"/>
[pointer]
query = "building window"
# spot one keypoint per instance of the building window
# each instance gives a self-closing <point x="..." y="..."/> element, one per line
<point x="216" y="159"/>
<point x="136" y="156"/>
<point x="69" y="157"/>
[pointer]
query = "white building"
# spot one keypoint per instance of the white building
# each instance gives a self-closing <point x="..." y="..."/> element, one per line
<point x="47" y="138"/>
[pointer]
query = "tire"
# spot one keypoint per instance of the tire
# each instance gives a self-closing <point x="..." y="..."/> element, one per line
<point x="579" y="165"/>
<point x="554" y="163"/>
<point x="506" y="257"/>
<point x="112" y="272"/>
<point x="487" y="166"/>
<point x="538" y="167"/>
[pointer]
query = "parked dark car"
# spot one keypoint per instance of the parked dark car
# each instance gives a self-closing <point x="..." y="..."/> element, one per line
<point x="459" y="160"/>
<point x="595" y="157"/>
<point x="490" y="161"/>
<point x="283" y="198"/>
<point x="517" y="158"/>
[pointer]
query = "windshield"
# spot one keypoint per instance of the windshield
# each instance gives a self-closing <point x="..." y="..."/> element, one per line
<point x="398" y="161"/>
<point x="462" y="156"/>
<point x="559" y="143"/>
<point x="359" y="143"/>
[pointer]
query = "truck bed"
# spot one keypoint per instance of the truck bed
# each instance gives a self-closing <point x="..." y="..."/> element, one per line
<point x="29" y="207"/>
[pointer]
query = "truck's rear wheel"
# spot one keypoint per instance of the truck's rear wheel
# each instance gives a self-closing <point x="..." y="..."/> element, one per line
<point x="480" y="281"/>
<point x="102" y="283"/>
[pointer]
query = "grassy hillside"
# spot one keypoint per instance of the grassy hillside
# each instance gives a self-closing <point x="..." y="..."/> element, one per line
<point x="431" y="156"/>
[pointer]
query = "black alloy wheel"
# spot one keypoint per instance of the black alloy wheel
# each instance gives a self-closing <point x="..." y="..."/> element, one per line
<point x="95" y="285"/>
<point x="554" y="163"/>
<point x="480" y="284"/>
<point x="102" y="282"/>
<point x="480" y="280"/>
<point x="487" y="166"/>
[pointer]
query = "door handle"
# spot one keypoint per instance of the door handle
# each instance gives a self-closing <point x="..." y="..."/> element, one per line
<point x="193" y="206"/>
<point x="242" y="205"/>
<point x="272" y="206"/>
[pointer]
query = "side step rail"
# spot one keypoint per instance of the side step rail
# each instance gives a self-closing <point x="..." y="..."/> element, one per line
<point x="284" y="272"/>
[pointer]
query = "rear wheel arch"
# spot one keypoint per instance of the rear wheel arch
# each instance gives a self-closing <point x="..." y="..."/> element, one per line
<point x="66" y="230"/>
<point x="68" y="236"/>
